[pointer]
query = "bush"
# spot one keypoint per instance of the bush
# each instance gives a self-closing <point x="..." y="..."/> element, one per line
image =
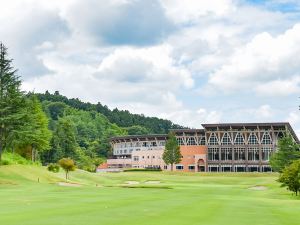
<point x="53" y="167"/>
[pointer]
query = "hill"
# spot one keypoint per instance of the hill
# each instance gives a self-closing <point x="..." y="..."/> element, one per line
<point x="133" y="123"/>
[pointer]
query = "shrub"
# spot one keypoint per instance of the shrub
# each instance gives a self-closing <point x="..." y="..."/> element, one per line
<point x="53" y="167"/>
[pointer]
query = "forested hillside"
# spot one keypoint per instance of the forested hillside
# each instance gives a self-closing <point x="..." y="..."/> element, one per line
<point x="82" y="130"/>
<point x="133" y="123"/>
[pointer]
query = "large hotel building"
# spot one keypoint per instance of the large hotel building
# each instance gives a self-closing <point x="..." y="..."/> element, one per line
<point x="227" y="147"/>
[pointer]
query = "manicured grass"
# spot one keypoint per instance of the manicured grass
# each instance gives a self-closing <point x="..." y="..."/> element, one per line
<point x="179" y="198"/>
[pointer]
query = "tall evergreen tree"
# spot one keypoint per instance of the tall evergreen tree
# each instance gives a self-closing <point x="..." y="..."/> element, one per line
<point x="11" y="101"/>
<point x="34" y="135"/>
<point x="172" y="153"/>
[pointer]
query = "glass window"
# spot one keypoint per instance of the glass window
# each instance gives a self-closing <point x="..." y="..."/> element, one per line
<point x="252" y="140"/>
<point x="226" y="139"/>
<point x="202" y="141"/>
<point x="191" y="141"/>
<point x="191" y="167"/>
<point x="226" y="154"/>
<point x="135" y="158"/>
<point x="239" y="139"/>
<point x="266" y="139"/>
<point x="179" y="167"/>
<point x="180" y="141"/>
<point x="266" y="153"/>
<point x="239" y="154"/>
<point x="213" y="154"/>
<point x="253" y="154"/>
<point x="213" y="140"/>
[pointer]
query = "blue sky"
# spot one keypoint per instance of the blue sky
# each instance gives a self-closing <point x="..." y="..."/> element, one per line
<point x="192" y="61"/>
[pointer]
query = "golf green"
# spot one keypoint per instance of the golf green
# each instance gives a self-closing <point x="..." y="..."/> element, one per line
<point x="30" y="195"/>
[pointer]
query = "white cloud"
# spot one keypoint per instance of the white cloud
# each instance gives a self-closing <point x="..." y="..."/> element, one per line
<point x="262" y="63"/>
<point x="191" y="10"/>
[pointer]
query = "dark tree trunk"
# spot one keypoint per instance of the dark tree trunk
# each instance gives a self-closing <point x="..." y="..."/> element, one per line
<point x="172" y="167"/>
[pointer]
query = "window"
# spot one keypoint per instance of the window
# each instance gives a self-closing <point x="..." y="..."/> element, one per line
<point x="202" y="141"/>
<point x="226" y="139"/>
<point x="239" y="154"/>
<point x="191" y="141"/>
<point x="135" y="158"/>
<point x="154" y="144"/>
<point x="266" y="153"/>
<point x="213" y="154"/>
<point x="252" y="140"/>
<point x="165" y="167"/>
<point x="239" y="139"/>
<point x="191" y="167"/>
<point x="180" y="141"/>
<point x="153" y="157"/>
<point x="253" y="154"/>
<point x="179" y="167"/>
<point x="266" y="139"/>
<point x="226" y="154"/>
<point x="213" y="140"/>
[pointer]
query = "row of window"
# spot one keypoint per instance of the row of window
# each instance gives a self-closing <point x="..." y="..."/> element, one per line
<point x="239" y="154"/>
<point x="140" y="144"/>
<point x="239" y="139"/>
<point x="137" y="158"/>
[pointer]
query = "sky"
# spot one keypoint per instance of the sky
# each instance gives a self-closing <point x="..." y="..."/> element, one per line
<point x="191" y="61"/>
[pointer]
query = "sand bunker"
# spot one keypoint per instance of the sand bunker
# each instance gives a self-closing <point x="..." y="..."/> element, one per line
<point x="132" y="182"/>
<point x="152" y="182"/>
<point x="258" y="188"/>
<point x="68" y="184"/>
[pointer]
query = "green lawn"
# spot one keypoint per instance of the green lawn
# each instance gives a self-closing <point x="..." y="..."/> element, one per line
<point x="208" y="199"/>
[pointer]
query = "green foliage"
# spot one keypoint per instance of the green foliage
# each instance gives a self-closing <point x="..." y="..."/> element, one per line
<point x="34" y="135"/>
<point x="9" y="158"/>
<point x="122" y="118"/>
<point x="172" y="153"/>
<point x="290" y="177"/>
<point x="137" y="130"/>
<point x="53" y="167"/>
<point x="68" y="165"/>
<point x="11" y="101"/>
<point x="287" y="152"/>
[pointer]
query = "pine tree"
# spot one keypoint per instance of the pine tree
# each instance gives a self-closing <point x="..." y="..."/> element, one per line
<point x="11" y="101"/>
<point x="172" y="153"/>
<point x="34" y="135"/>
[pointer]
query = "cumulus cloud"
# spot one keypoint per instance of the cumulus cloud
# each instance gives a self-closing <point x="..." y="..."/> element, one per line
<point x="120" y="22"/>
<point x="262" y="65"/>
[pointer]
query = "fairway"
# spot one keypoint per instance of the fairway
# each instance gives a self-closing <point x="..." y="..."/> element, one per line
<point x="143" y="198"/>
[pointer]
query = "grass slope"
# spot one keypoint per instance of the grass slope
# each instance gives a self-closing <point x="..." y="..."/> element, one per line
<point x="179" y="198"/>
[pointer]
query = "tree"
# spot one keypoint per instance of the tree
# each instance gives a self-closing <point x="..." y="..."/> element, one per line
<point x="64" y="138"/>
<point x="68" y="165"/>
<point x="288" y="151"/>
<point x="290" y="177"/>
<point x="172" y="153"/>
<point x="34" y="135"/>
<point x="11" y="101"/>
